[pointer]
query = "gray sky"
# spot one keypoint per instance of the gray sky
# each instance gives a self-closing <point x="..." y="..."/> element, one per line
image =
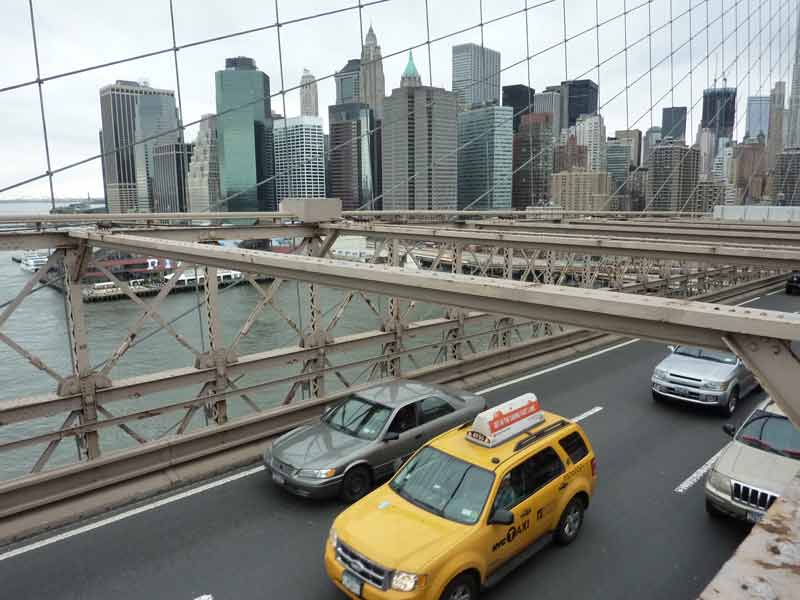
<point x="76" y="34"/>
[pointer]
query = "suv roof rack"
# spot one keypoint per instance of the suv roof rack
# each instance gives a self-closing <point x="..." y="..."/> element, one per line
<point x="533" y="437"/>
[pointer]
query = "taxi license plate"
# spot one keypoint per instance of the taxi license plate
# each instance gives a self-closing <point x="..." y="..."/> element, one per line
<point x="352" y="583"/>
<point x="754" y="517"/>
<point x="279" y="479"/>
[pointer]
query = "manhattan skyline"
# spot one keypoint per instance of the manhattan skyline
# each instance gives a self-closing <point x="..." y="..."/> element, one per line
<point x="73" y="117"/>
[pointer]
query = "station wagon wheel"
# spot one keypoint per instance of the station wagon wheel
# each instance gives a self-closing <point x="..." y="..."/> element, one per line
<point x="357" y="482"/>
<point x="462" y="587"/>
<point x="570" y="522"/>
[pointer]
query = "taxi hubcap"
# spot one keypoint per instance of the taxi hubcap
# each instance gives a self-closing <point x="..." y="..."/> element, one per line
<point x="461" y="593"/>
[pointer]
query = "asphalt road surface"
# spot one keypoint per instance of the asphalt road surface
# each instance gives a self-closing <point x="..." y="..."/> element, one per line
<point x="246" y="539"/>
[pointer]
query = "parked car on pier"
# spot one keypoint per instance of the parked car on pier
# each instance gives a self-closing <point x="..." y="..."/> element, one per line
<point x="793" y="283"/>
<point x="366" y="437"/>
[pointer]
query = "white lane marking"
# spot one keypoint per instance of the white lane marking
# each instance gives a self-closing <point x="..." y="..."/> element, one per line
<point x="129" y="513"/>
<point x="587" y="414"/>
<point x="775" y="292"/>
<point x="690" y="481"/>
<point x="574" y="361"/>
<point x="749" y="301"/>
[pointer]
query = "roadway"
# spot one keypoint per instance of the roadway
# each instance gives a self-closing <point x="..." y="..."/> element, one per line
<point x="245" y="539"/>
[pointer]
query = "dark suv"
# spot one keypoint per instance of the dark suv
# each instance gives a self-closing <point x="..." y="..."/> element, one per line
<point x="793" y="283"/>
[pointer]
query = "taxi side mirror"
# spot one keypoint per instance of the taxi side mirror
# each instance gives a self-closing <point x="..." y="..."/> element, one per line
<point x="501" y="516"/>
<point x="391" y="436"/>
<point x="729" y="429"/>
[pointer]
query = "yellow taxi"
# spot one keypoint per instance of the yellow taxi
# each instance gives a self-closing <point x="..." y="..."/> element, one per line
<point x="467" y="508"/>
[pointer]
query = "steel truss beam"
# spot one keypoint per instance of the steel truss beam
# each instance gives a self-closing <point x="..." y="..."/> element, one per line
<point x="650" y="317"/>
<point x="787" y="258"/>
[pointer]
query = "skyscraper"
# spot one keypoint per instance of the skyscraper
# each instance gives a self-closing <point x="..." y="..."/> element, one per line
<point x="348" y="82"/>
<point x="118" y="103"/>
<point x="634" y="138"/>
<point x="156" y="123"/>
<point x="757" y="117"/>
<point x="673" y="123"/>
<point x="203" y="178"/>
<point x="309" y="102"/>
<point x="520" y="98"/>
<point x="245" y="137"/>
<point x="777" y="117"/>
<point x="419" y="146"/>
<point x="170" y="162"/>
<point x="373" y="86"/>
<point x="578" y="97"/>
<point x="485" y="139"/>
<point x="787" y="177"/>
<point x="792" y="137"/>
<point x="300" y="158"/>
<point x="351" y="168"/>
<point x="569" y="155"/>
<point x="476" y="75"/>
<point x="672" y="175"/>
<point x="590" y="131"/>
<point x="533" y="160"/>
<point x="651" y="138"/>
<point x="620" y="156"/>
<point x="719" y="112"/>
<point x="549" y="101"/>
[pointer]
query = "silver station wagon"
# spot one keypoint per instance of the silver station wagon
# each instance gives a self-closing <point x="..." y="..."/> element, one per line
<point x="365" y="438"/>
<point x="700" y="376"/>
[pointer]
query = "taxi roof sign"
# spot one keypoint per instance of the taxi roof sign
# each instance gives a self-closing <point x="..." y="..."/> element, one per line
<point x="499" y="424"/>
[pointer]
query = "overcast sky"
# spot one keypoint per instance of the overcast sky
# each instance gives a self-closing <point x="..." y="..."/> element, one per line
<point x="75" y="34"/>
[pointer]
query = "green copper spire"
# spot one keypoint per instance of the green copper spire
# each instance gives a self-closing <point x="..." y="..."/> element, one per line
<point x="410" y="75"/>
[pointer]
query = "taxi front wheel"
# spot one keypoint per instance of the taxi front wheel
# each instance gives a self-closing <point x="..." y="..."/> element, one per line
<point x="463" y="587"/>
<point x="570" y="522"/>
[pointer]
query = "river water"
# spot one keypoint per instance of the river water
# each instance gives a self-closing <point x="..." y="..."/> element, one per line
<point x="38" y="325"/>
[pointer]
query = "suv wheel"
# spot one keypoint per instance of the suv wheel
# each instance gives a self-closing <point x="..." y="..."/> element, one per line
<point x="730" y="407"/>
<point x="462" y="587"/>
<point x="570" y="522"/>
<point x="356" y="484"/>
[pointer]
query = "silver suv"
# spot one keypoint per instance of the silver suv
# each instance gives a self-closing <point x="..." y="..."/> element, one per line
<point x="755" y="467"/>
<point x="702" y="376"/>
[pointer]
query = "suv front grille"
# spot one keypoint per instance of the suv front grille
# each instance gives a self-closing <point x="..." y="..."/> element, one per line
<point x="752" y="496"/>
<point x="362" y="567"/>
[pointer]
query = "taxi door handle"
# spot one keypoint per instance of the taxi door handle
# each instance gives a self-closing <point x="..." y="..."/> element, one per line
<point x="562" y="486"/>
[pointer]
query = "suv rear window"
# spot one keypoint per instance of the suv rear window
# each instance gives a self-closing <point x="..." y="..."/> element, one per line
<point x="574" y="446"/>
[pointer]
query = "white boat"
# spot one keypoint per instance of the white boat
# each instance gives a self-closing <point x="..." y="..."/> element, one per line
<point x="188" y="279"/>
<point x="32" y="262"/>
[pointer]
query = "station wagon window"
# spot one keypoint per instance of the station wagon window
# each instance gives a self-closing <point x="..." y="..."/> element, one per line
<point x="405" y="419"/>
<point x="527" y="478"/>
<point x="433" y="408"/>
<point x="574" y="446"/>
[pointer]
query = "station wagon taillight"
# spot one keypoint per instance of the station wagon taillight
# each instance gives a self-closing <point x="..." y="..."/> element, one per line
<point x="594" y="467"/>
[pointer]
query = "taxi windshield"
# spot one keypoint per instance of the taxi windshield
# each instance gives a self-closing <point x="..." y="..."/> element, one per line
<point x="358" y="417"/>
<point x="444" y="485"/>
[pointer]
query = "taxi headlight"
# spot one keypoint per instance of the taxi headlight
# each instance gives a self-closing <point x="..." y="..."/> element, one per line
<point x="717" y="386"/>
<point x="316" y="473"/>
<point x="406" y="582"/>
<point x="719" y="482"/>
<point x="660" y="373"/>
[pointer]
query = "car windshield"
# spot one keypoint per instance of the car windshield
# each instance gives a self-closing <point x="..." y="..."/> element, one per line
<point x="358" y="417"/>
<point x="715" y="355"/>
<point x="772" y="433"/>
<point x="444" y="485"/>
